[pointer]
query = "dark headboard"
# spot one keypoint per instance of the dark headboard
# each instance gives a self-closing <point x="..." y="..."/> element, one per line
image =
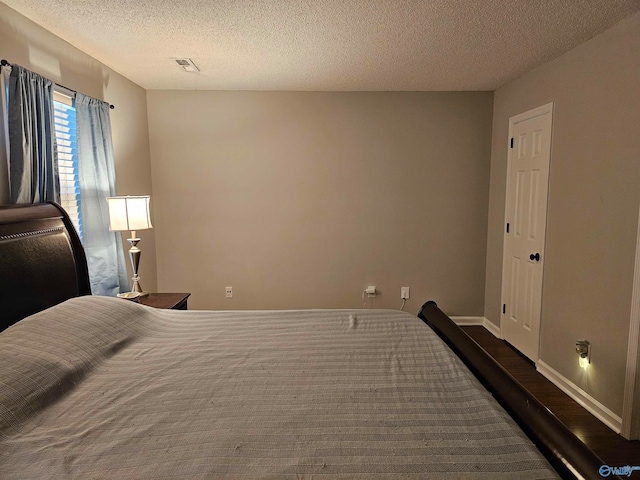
<point x="42" y="262"/>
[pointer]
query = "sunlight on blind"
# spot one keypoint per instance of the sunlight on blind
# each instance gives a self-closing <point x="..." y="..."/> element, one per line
<point x="65" y="125"/>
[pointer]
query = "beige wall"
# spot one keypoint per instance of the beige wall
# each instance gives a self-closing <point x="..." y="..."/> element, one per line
<point x="302" y="199"/>
<point x="25" y="43"/>
<point x="593" y="204"/>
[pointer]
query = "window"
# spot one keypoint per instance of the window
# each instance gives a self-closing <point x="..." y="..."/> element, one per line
<point x="65" y="127"/>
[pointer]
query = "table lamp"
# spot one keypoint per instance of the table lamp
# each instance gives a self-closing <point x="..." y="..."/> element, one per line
<point x="131" y="213"/>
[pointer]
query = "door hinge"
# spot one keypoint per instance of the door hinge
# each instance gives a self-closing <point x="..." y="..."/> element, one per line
<point x="504" y="308"/>
<point x="507" y="227"/>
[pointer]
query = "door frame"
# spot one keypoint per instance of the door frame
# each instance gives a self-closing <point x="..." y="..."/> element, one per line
<point x="534" y="112"/>
<point x="631" y="399"/>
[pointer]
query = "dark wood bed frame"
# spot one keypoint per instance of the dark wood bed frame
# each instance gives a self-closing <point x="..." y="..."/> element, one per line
<point x="42" y="263"/>
<point x="566" y="452"/>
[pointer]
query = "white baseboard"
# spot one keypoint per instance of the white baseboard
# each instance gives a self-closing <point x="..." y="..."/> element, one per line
<point x="594" y="407"/>
<point x="477" y="321"/>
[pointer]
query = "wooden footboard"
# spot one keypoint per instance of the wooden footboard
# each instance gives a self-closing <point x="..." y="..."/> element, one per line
<point x="566" y="452"/>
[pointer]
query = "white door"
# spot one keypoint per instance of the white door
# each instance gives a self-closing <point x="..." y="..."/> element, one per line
<point x="526" y="218"/>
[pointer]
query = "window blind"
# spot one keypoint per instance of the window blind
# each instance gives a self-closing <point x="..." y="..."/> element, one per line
<point x="65" y="127"/>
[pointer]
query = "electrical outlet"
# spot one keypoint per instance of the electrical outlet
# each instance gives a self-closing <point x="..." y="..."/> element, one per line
<point x="404" y="293"/>
<point x="228" y="292"/>
<point x="370" y="291"/>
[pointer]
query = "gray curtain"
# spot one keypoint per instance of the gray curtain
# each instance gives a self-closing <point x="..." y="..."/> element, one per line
<point x="33" y="164"/>
<point x="96" y="168"/>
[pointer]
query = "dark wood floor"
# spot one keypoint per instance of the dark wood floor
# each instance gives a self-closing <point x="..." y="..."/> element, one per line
<point x="611" y="447"/>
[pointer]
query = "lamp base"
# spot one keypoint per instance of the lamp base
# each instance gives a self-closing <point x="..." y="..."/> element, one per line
<point x="136" y="286"/>
<point x="129" y="295"/>
<point x="134" y="256"/>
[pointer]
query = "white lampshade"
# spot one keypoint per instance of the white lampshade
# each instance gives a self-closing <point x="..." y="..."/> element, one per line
<point x="129" y="213"/>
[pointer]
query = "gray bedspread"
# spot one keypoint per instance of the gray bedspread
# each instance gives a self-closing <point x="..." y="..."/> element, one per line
<point x="105" y="388"/>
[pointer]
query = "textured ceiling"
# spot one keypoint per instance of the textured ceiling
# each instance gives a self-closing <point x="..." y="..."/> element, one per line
<point x="327" y="45"/>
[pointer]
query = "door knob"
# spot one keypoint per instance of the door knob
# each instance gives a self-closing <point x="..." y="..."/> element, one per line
<point x="535" y="256"/>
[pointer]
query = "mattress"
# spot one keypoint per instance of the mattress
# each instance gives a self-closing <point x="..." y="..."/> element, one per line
<point x="105" y="388"/>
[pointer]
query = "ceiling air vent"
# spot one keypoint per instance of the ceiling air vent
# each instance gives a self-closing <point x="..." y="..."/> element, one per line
<point x="187" y="64"/>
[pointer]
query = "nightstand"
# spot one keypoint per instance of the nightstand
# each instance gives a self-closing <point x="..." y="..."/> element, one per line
<point x="175" y="301"/>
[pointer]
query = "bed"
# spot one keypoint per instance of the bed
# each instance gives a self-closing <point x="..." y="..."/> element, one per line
<point x="96" y="387"/>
